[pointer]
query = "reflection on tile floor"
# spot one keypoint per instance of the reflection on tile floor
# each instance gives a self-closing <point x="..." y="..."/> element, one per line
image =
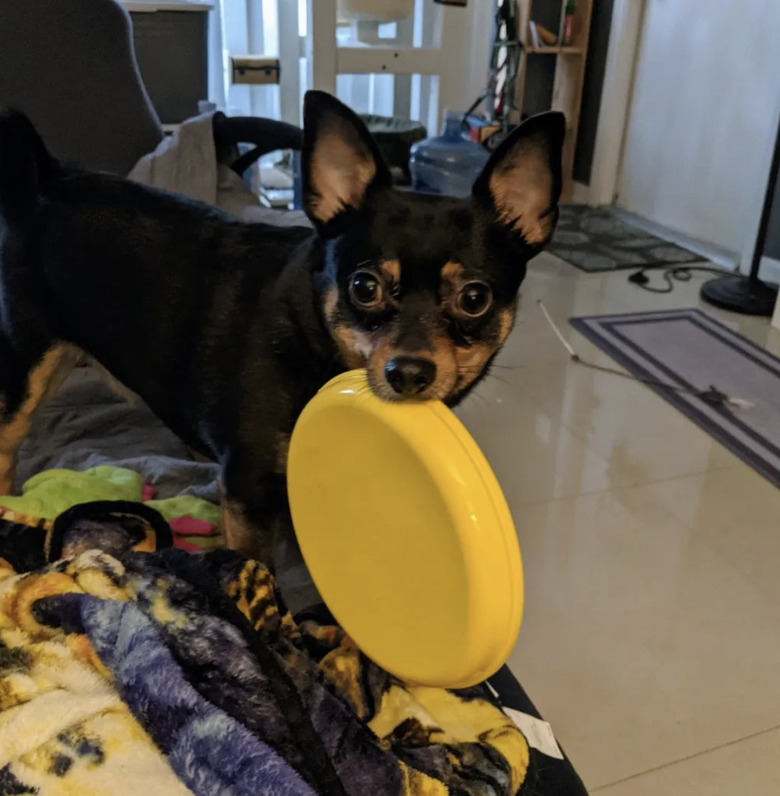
<point x="651" y="638"/>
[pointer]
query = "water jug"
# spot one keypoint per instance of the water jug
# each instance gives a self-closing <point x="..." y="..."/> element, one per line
<point x="449" y="163"/>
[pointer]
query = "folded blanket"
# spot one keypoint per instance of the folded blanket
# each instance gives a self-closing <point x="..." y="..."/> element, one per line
<point x="186" y="163"/>
<point x="161" y="672"/>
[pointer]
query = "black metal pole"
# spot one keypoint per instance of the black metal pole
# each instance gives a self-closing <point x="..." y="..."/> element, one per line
<point x="749" y="295"/>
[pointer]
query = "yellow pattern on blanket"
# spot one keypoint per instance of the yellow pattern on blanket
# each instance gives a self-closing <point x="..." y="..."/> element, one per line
<point x="63" y="728"/>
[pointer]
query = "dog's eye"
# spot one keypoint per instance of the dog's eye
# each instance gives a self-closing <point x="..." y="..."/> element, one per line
<point x="474" y="299"/>
<point x="365" y="289"/>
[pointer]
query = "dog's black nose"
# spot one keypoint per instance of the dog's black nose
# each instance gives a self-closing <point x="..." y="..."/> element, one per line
<point x="409" y="376"/>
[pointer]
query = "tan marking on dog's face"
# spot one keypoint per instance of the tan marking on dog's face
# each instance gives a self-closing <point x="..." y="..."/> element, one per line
<point x="391" y="270"/>
<point x="456" y="366"/>
<point x="42" y="380"/>
<point x="442" y="355"/>
<point x="445" y="358"/>
<point x="471" y="361"/>
<point x="505" y="323"/>
<point x="451" y="280"/>
<point x="453" y="272"/>
<point x="375" y="369"/>
<point x="354" y="345"/>
<point x="329" y="303"/>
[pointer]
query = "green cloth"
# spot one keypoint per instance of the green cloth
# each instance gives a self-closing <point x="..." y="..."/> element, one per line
<point x="187" y="506"/>
<point x="52" y="492"/>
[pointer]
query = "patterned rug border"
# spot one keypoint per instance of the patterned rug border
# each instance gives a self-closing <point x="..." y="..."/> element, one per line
<point x="597" y="329"/>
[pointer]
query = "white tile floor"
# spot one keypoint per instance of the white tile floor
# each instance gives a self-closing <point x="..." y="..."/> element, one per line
<point x="651" y="638"/>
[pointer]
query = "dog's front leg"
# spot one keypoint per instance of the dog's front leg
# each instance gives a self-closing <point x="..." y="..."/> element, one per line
<point x="254" y="538"/>
<point x="254" y="506"/>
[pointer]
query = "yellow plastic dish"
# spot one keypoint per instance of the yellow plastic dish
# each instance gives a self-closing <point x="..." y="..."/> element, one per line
<point x="406" y="534"/>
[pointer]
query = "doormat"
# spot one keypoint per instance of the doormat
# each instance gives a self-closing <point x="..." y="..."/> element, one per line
<point x="594" y="239"/>
<point x="683" y="352"/>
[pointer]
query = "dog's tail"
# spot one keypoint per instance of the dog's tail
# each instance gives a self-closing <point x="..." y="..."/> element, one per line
<point x="25" y="168"/>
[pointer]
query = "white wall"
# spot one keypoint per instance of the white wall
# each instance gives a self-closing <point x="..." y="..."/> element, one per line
<point x="706" y="88"/>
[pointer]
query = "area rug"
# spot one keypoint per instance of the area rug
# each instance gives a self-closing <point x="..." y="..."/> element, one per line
<point x="684" y="352"/>
<point x="594" y="239"/>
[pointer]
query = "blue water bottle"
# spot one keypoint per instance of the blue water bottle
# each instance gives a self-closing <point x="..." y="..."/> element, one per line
<point x="449" y="163"/>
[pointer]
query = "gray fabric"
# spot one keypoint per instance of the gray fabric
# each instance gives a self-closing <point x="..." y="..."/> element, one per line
<point x="86" y="424"/>
<point x="70" y="66"/>
<point x="186" y="163"/>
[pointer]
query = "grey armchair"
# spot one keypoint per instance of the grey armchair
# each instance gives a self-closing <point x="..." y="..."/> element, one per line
<point x="70" y="66"/>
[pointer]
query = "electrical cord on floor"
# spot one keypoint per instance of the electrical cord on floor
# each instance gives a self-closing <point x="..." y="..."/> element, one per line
<point x="670" y="274"/>
<point x="712" y="396"/>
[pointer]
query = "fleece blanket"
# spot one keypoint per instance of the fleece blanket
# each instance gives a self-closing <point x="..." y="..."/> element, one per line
<point x="131" y="667"/>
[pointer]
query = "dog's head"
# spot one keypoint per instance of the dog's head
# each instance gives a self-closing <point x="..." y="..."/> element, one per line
<point x="421" y="291"/>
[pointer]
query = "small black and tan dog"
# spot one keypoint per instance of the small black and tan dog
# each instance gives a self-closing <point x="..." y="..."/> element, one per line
<point x="227" y="329"/>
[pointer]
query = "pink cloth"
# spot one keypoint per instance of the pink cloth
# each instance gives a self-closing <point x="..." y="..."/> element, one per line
<point x="191" y="526"/>
<point x="183" y="544"/>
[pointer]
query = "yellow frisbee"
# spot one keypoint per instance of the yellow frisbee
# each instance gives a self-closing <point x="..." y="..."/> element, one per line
<point x="406" y="534"/>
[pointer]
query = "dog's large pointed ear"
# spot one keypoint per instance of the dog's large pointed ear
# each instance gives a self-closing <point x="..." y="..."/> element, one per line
<point x="341" y="162"/>
<point x="521" y="182"/>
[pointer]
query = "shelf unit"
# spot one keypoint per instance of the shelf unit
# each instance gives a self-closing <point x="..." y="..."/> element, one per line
<point x="445" y="26"/>
<point x="569" y="71"/>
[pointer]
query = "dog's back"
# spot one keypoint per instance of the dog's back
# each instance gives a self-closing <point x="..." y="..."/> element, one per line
<point x="144" y="281"/>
